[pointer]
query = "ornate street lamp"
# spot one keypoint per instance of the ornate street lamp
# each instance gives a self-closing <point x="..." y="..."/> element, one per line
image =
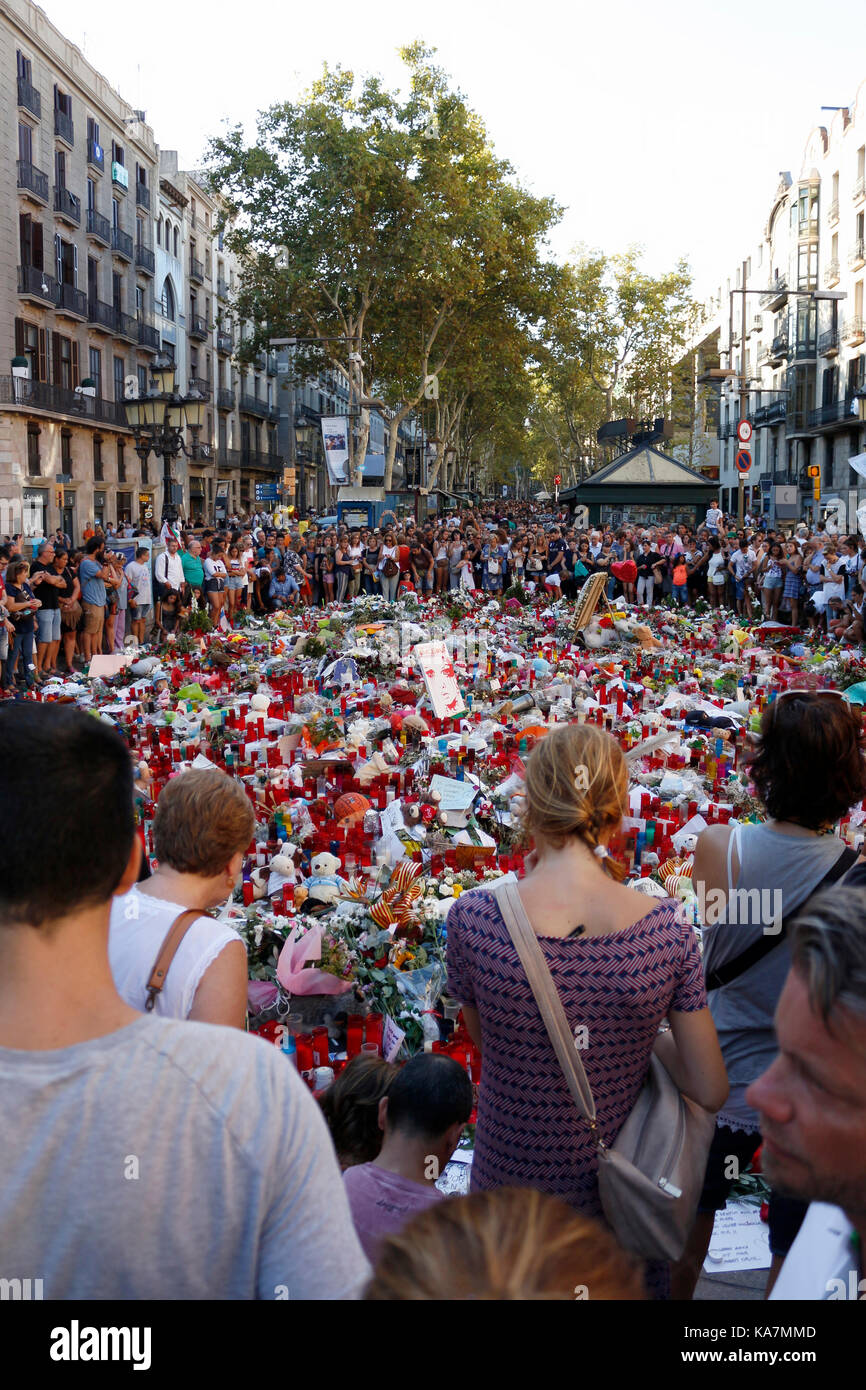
<point x="157" y="421"/>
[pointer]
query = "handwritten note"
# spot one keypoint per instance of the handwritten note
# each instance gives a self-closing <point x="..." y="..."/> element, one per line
<point x="740" y="1240"/>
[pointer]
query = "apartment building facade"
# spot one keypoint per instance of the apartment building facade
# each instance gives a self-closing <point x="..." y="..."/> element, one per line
<point x="801" y="341"/>
<point x="78" y="175"/>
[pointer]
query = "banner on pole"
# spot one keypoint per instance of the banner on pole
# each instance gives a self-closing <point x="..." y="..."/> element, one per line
<point x="335" y="437"/>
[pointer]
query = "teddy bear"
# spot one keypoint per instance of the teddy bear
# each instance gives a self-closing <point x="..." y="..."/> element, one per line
<point x="323" y="883"/>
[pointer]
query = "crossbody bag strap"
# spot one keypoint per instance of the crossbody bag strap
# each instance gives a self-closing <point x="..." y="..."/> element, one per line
<point x="546" y="996"/>
<point x="733" y="969"/>
<point x="167" y="952"/>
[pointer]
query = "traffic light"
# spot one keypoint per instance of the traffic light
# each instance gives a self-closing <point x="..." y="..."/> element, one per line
<point x="58" y="496"/>
<point x="814" y="470"/>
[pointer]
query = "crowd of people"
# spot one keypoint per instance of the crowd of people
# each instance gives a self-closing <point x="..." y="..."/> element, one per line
<point x="66" y="605"/>
<point x="337" y="1199"/>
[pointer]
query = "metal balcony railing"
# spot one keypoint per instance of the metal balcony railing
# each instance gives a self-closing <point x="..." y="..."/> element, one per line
<point x="64" y="126"/>
<point x="833" y="212"/>
<point x="196" y="270"/>
<point x="126" y="325"/>
<point x="73" y="301"/>
<point x="101" y="315"/>
<point x="225" y="342"/>
<point x="121" y="243"/>
<point x="201" y="385"/>
<point x="198" y="327"/>
<point x="145" y="258"/>
<point x="98" y="226"/>
<point x="56" y="400"/>
<point x="776" y="296"/>
<point x="252" y="405"/>
<point x="95" y="155"/>
<point x="67" y="206"/>
<point x="857" y="255"/>
<point x="828" y="342"/>
<point x="834" y="412"/>
<point x="37" y="284"/>
<point x="142" y="195"/>
<point x="831" y="273"/>
<point x="33" y="180"/>
<point x="859" y="188"/>
<point x="225" y="398"/>
<point x="148" y="335"/>
<point x="29" y="98"/>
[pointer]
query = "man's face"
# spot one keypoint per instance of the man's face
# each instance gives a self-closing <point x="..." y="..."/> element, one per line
<point x="812" y="1101"/>
<point x="172" y="547"/>
<point x="47" y="555"/>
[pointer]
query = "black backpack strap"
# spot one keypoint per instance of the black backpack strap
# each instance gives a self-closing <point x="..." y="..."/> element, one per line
<point x="733" y="969"/>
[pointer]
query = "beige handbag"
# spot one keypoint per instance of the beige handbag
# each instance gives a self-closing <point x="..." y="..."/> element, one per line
<point x="651" y="1177"/>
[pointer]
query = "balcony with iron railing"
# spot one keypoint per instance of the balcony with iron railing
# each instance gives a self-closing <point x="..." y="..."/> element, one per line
<point x="95" y="155"/>
<point x="834" y="413"/>
<point x="853" y="330"/>
<point x="225" y="398"/>
<point x="797" y="421"/>
<point x="32" y="181"/>
<point x="198" y="327"/>
<point x="98" y="227"/>
<point x="101" y="315"/>
<point x="121" y="243"/>
<point x="29" y="98"/>
<point x="857" y="255"/>
<point x="196" y="270"/>
<point x="859" y="188"/>
<point x="831" y="274"/>
<point x="56" y="400"/>
<point x="67" y="206"/>
<point x="35" y="284"/>
<point x="779" y="349"/>
<point x="763" y="358"/>
<point x="222" y="288"/>
<point x="833" y="213"/>
<point x="776" y="297"/>
<point x="253" y="405"/>
<point x="126" y="325"/>
<point x="249" y="458"/>
<point x="64" y="127"/>
<point x="225" y="341"/>
<point x="775" y="412"/>
<point x="142" y="195"/>
<point x="724" y="430"/>
<point x="201" y="385"/>
<point x="72" y="302"/>
<point x="828" y="342"/>
<point x="148" y="335"/>
<point x="145" y="259"/>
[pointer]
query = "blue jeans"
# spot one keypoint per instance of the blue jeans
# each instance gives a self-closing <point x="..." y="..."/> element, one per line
<point x="21" y="643"/>
<point x="681" y="593"/>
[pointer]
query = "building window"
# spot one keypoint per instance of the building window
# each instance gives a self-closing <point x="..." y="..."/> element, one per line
<point x="121" y="462"/>
<point x="142" y="381"/>
<point x="115" y="214"/>
<point x="144" y="476"/>
<point x="119" y="375"/>
<point x="95" y="364"/>
<point x="168" y="302"/>
<point x="66" y="452"/>
<point x="34" y="465"/>
<point x="175" y="243"/>
<point x="117" y="153"/>
<point x="159" y="232"/>
<point x="98" y="474"/>
<point x="64" y="375"/>
<point x="91" y="195"/>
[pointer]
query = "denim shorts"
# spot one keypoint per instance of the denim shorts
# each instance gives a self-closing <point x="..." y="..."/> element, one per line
<point x="773" y="581"/>
<point x="47" y="625"/>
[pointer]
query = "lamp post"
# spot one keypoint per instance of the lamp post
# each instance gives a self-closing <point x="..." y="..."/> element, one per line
<point x="304" y="431"/>
<point x="157" y="421"/>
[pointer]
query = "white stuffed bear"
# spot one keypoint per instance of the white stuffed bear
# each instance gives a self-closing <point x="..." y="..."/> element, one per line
<point x="323" y="884"/>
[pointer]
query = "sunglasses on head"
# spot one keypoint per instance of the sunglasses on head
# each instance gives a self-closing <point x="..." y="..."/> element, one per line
<point x="810" y="694"/>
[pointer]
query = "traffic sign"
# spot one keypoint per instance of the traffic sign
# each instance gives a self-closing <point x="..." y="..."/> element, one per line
<point x="743" y="461"/>
<point x="557" y="480"/>
<point x="744" y="431"/>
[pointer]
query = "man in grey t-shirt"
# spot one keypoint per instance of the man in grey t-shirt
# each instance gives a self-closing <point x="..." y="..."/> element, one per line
<point x="141" y="1157"/>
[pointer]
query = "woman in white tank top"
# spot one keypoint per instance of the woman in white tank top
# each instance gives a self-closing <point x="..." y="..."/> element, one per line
<point x="203" y="826"/>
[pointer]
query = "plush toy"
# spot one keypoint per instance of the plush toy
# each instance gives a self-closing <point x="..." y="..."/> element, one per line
<point x="323" y="884"/>
<point x="284" y="863"/>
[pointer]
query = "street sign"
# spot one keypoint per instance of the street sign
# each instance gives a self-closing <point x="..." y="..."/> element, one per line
<point x="744" y="431"/>
<point x="266" y="492"/>
<point x="289" y="478"/>
<point x="743" y="461"/>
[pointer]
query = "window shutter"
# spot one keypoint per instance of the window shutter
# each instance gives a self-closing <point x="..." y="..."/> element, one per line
<point x="58" y="259"/>
<point x="19" y="337"/>
<point x="75" y="265"/>
<point x="36" y="245"/>
<point x="76" y="381"/>
<point x="56" y="364"/>
<point x="43" y="354"/>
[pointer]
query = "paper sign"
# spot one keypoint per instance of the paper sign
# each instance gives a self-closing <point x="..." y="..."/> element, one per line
<point x="108" y="665"/>
<point x="437" y="669"/>
<point x="740" y="1240"/>
<point x="392" y="1040"/>
<point x="453" y="795"/>
<point x="858" y="463"/>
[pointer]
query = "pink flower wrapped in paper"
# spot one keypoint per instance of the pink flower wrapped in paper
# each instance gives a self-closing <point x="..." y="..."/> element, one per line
<point x="298" y="948"/>
<point x="261" y="994"/>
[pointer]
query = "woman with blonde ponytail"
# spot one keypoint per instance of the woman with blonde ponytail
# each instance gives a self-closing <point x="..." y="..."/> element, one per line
<point x="619" y="969"/>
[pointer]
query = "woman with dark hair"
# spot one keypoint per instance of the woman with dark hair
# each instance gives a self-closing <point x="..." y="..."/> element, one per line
<point x="351" y="1108"/>
<point x="808" y="770"/>
<point x="21" y="604"/>
<point x="771" y="569"/>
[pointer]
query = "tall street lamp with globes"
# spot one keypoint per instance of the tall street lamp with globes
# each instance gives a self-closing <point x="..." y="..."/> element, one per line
<point x="157" y="421"/>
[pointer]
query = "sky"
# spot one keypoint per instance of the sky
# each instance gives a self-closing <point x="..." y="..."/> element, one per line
<point x="662" y="123"/>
